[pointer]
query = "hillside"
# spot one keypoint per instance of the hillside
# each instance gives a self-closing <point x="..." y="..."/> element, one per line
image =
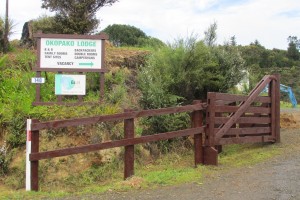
<point x="19" y="93"/>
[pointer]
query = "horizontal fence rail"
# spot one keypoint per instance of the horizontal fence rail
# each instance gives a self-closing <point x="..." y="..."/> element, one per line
<point x="113" y="144"/>
<point x="34" y="126"/>
<point x="115" y="117"/>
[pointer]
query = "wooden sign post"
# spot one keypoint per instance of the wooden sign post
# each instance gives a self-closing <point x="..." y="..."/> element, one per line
<point x="62" y="53"/>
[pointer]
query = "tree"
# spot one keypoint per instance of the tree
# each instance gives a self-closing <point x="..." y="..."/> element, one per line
<point x="43" y="23"/>
<point x="3" y="29"/>
<point x="211" y="35"/>
<point x="293" y="49"/>
<point x="124" y="35"/>
<point x="233" y="41"/>
<point x="75" y="16"/>
<point x="181" y="72"/>
<point x="6" y="30"/>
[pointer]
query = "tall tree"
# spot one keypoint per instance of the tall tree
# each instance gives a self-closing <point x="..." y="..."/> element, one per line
<point x="122" y="35"/>
<point x="75" y="16"/>
<point x="293" y="49"/>
<point x="6" y="31"/>
<point x="211" y="35"/>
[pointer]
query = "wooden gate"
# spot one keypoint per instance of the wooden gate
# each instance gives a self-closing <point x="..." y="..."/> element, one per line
<point x="236" y="119"/>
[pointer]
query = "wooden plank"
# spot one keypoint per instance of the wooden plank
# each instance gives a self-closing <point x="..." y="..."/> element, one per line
<point x="272" y="93"/>
<point x="210" y="156"/>
<point x="197" y="121"/>
<point x="113" y="144"/>
<point x="210" y="122"/>
<point x="277" y="107"/>
<point x="233" y="97"/>
<point x="129" y="149"/>
<point x="245" y="120"/>
<point x="102" y="86"/>
<point x="244" y="140"/>
<point x="252" y="109"/>
<point x="34" y="167"/>
<point x="114" y="117"/>
<point x="247" y="131"/>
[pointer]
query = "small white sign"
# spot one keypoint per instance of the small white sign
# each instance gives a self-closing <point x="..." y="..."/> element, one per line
<point x="70" y="84"/>
<point x="38" y="80"/>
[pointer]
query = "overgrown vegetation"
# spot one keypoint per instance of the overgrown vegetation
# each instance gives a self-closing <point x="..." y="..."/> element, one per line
<point x="171" y="75"/>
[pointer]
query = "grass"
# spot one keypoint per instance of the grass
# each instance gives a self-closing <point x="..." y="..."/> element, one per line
<point x="284" y="104"/>
<point x="171" y="169"/>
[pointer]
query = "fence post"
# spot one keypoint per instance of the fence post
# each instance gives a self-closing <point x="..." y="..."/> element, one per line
<point x="197" y="121"/>
<point x="277" y="109"/>
<point x="28" y="151"/>
<point x="32" y="146"/>
<point x="129" y="150"/>
<point x="210" y="154"/>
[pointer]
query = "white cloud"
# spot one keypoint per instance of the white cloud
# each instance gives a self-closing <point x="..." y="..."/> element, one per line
<point x="268" y="21"/>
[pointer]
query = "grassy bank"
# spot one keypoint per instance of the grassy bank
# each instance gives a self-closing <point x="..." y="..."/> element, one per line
<point x="170" y="169"/>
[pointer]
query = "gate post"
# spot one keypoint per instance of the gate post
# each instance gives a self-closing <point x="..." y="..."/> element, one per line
<point x="28" y="152"/>
<point x="129" y="150"/>
<point x="277" y="107"/>
<point x="210" y="156"/>
<point x="197" y="121"/>
<point x="32" y="167"/>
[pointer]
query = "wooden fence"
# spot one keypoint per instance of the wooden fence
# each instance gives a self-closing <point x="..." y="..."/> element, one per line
<point x="230" y="119"/>
<point x="34" y="127"/>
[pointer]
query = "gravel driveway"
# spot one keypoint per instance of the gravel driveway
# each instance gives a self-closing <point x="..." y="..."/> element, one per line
<point x="277" y="178"/>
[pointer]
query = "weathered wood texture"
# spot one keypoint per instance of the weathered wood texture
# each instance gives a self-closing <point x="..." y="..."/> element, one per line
<point x="129" y="149"/>
<point x="115" y="117"/>
<point x="197" y="121"/>
<point x="237" y="119"/>
<point x="129" y="138"/>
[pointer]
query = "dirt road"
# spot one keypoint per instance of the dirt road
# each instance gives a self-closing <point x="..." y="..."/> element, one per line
<point x="277" y="178"/>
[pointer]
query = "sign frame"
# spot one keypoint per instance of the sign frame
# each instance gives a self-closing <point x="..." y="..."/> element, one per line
<point x="40" y="35"/>
<point x="38" y="69"/>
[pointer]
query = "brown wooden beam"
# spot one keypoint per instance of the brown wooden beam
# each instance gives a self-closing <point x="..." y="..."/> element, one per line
<point x="129" y="149"/>
<point x="246" y="139"/>
<point x="116" y="117"/>
<point x="245" y="120"/>
<point x="113" y="144"/>
<point x="197" y="121"/>
<point x="233" y="97"/>
<point x="251" y="109"/>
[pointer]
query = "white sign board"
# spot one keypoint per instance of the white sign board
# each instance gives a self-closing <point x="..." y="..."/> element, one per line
<point x="70" y="53"/>
<point x="70" y="84"/>
<point x="38" y="80"/>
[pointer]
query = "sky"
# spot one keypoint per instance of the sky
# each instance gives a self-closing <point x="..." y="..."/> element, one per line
<point x="268" y="21"/>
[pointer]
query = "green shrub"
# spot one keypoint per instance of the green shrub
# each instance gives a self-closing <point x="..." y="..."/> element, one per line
<point x="184" y="71"/>
<point x="16" y="128"/>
